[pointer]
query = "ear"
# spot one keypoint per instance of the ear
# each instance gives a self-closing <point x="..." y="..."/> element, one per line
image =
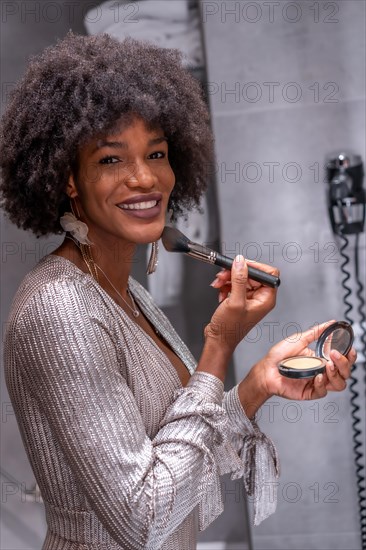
<point x="71" y="190"/>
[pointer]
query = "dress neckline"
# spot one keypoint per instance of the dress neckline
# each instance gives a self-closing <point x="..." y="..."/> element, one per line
<point x="170" y="336"/>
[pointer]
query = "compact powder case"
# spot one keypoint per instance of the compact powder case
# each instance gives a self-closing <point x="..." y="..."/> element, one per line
<point x="338" y="336"/>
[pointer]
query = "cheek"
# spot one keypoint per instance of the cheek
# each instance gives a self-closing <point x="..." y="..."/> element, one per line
<point x="98" y="184"/>
<point x="95" y="175"/>
<point x="170" y="179"/>
<point x="92" y="195"/>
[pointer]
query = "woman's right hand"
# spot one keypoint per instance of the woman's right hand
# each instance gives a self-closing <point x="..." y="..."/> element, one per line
<point x="243" y="303"/>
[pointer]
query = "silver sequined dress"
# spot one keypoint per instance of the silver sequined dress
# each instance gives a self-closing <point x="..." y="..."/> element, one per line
<point x="123" y="455"/>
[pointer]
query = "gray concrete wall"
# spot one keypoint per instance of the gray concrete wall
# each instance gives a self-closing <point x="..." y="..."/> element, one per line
<point x="274" y="143"/>
<point x="287" y="87"/>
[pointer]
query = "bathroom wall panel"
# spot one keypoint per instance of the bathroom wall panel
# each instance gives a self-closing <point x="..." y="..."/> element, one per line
<point x="288" y="211"/>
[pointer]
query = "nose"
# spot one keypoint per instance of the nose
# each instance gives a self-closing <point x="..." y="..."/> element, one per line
<point x="140" y="175"/>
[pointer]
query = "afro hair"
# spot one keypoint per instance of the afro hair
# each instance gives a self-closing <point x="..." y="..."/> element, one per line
<point x="80" y="88"/>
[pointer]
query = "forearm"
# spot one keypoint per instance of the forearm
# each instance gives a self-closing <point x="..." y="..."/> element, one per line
<point x="252" y="391"/>
<point x="214" y="359"/>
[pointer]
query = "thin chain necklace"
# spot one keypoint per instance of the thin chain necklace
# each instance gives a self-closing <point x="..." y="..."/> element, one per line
<point x="93" y="267"/>
<point x="135" y="311"/>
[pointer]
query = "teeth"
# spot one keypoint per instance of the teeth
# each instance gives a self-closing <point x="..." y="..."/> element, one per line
<point x="139" y="205"/>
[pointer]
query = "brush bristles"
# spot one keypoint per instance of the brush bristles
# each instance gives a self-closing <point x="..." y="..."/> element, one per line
<point x="174" y="241"/>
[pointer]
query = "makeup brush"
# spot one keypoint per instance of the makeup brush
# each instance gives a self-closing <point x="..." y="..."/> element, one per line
<point x="174" y="241"/>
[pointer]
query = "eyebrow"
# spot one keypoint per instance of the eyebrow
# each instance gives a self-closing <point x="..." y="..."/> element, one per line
<point x="123" y="145"/>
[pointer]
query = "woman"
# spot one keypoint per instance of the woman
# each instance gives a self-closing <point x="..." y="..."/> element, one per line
<point x="126" y="435"/>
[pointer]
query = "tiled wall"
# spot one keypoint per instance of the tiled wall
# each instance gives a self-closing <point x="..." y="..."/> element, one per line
<point x="272" y="201"/>
<point x="287" y="82"/>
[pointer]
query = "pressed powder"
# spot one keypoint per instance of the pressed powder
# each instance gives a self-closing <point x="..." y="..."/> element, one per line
<point x="338" y="336"/>
<point x="302" y="366"/>
<point x="302" y="362"/>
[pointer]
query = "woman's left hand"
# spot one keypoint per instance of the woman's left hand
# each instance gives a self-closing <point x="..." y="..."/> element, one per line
<point x="338" y="368"/>
<point x="265" y="381"/>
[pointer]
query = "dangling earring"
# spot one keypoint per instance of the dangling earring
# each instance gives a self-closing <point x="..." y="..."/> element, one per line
<point x="79" y="234"/>
<point x="153" y="261"/>
<point x="71" y="224"/>
<point x="169" y="217"/>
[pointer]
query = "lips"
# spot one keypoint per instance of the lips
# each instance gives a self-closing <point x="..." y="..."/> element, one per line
<point x="142" y="206"/>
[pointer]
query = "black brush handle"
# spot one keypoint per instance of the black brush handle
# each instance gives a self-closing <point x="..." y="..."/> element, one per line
<point x="254" y="273"/>
<point x="175" y="241"/>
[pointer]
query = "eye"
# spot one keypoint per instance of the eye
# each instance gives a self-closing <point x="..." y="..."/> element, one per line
<point x="157" y="155"/>
<point x="109" y="160"/>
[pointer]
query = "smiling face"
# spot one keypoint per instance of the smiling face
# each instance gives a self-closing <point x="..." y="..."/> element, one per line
<point x="123" y="185"/>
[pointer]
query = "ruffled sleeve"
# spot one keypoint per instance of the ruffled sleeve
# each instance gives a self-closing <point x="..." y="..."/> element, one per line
<point x="258" y="462"/>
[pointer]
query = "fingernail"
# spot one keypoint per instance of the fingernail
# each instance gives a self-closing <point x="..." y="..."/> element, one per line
<point x="239" y="262"/>
<point x="221" y="297"/>
<point x="336" y="354"/>
<point x="320" y="378"/>
<point x="215" y="282"/>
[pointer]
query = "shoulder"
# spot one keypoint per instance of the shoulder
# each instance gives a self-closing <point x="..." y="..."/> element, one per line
<point x="52" y="283"/>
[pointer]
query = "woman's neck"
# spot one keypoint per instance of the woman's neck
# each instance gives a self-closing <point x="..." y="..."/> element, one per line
<point x="112" y="263"/>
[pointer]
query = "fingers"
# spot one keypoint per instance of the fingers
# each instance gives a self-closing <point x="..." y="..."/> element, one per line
<point x="233" y="282"/>
<point x="339" y="369"/>
<point x="319" y="388"/>
<point x="223" y="277"/>
<point x="239" y="280"/>
<point x="316" y="388"/>
<point x="264" y="267"/>
<point x="341" y="365"/>
<point x="336" y="380"/>
<point x="352" y="356"/>
<point x="223" y="283"/>
<point x="298" y="343"/>
<point x="313" y="333"/>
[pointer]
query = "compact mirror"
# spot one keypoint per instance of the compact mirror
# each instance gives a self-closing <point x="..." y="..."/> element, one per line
<point x="338" y="336"/>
